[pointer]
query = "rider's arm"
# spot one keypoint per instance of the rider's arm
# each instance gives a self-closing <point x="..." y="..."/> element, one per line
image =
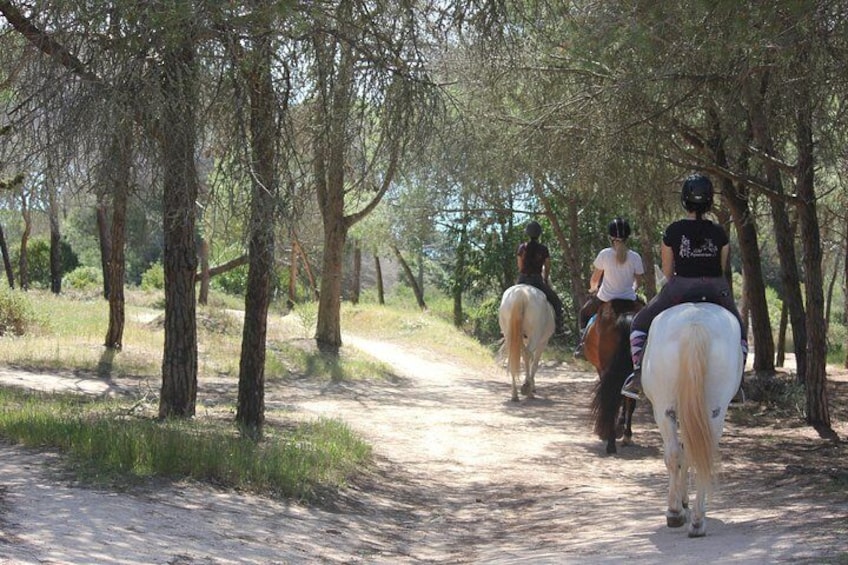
<point x="667" y="254"/>
<point x="595" y="281"/>
<point x="638" y="281"/>
<point x="725" y="254"/>
<point x="546" y="271"/>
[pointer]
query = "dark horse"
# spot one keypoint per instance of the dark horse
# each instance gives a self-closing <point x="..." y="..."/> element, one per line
<point x="607" y="347"/>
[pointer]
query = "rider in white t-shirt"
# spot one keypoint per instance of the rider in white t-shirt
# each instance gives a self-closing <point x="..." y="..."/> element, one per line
<point x="617" y="273"/>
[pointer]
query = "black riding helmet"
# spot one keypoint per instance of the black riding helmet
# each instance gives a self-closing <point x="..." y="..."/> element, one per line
<point x="697" y="193"/>
<point x="533" y="230"/>
<point x="619" y="228"/>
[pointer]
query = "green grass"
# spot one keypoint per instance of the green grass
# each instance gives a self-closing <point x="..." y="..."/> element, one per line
<point x="105" y="443"/>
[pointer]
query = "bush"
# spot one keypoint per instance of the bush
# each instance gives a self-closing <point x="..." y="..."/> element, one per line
<point x="84" y="278"/>
<point x="153" y="278"/>
<point x="484" y="320"/>
<point x="233" y="281"/>
<point x="38" y="261"/>
<point x="16" y="313"/>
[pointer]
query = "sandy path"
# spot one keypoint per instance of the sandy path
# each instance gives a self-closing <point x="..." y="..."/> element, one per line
<point x="464" y="476"/>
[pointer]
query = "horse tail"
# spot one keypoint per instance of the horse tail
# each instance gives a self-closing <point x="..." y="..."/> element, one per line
<point x="692" y="411"/>
<point x="606" y="398"/>
<point x="515" y="339"/>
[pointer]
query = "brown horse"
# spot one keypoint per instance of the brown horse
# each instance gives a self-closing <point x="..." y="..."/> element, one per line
<point x="607" y="347"/>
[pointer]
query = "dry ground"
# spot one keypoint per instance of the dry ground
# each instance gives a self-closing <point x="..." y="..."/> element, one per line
<point x="463" y="475"/>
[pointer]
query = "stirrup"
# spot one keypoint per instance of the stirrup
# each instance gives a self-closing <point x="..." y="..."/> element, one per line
<point x="579" y="353"/>
<point x="631" y="391"/>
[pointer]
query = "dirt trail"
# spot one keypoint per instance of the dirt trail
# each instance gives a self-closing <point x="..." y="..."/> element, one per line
<point x="464" y="476"/>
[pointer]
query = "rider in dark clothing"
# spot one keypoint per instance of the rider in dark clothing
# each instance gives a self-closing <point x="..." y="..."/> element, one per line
<point x="534" y="268"/>
<point x="695" y="255"/>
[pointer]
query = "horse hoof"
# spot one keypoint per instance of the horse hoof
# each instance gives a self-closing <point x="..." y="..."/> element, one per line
<point x="627" y="440"/>
<point x="697" y="530"/>
<point x="611" y="448"/>
<point x="525" y="389"/>
<point x="675" y="519"/>
<point x="515" y="398"/>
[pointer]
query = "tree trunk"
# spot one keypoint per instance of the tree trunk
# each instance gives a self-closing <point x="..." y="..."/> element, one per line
<point x="780" y="358"/>
<point x="293" y="268"/>
<point x="818" y="414"/>
<point x="105" y="244"/>
<point x="119" y="181"/>
<point x="783" y="229"/>
<point x="178" y="143"/>
<point x="356" y="282"/>
<point x="458" y="286"/>
<point x="310" y="277"/>
<point x="23" y="262"/>
<point x="203" y="297"/>
<point x="7" y="262"/>
<point x="381" y="297"/>
<point x="251" y="400"/>
<point x="830" y="287"/>
<point x="736" y="198"/>
<point x="55" y="239"/>
<point x="328" y="335"/>
<point x="410" y="277"/>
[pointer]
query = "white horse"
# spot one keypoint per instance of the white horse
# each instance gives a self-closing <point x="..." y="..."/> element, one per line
<point x="691" y="370"/>
<point x="527" y="323"/>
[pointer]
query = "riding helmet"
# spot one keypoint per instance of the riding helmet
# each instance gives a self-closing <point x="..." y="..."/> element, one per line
<point x="697" y="193"/>
<point x="619" y="228"/>
<point x="533" y="230"/>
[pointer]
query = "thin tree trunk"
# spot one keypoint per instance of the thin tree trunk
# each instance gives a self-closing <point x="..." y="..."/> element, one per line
<point x="313" y="286"/>
<point x="818" y="413"/>
<point x="23" y="260"/>
<point x="830" y="287"/>
<point x="55" y="239"/>
<point x="251" y="399"/>
<point x="754" y="291"/>
<point x="356" y="283"/>
<point x="780" y="358"/>
<point x="410" y="277"/>
<point x="783" y="229"/>
<point x="381" y="297"/>
<point x="204" y="276"/>
<point x="7" y="262"/>
<point x="105" y="244"/>
<point x="119" y="181"/>
<point x="458" y="286"/>
<point x="293" y="269"/>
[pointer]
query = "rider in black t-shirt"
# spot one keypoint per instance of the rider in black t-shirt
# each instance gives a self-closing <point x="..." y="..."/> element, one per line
<point x="695" y="255"/>
<point x="534" y="268"/>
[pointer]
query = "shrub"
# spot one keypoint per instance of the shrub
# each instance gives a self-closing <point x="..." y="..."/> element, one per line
<point x="84" y="278"/>
<point x="16" y="313"/>
<point x="484" y="320"/>
<point x="38" y="261"/>
<point x="153" y="278"/>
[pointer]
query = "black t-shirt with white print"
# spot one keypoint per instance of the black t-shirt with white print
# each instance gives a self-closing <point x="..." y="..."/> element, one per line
<point x="697" y="247"/>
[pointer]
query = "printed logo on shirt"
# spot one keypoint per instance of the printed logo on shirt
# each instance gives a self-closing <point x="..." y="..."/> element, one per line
<point x="708" y="249"/>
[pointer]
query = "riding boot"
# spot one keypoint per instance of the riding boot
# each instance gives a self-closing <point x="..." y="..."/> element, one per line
<point x="578" y="352"/>
<point x="559" y="325"/>
<point x="633" y="385"/>
<point x="739" y="397"/>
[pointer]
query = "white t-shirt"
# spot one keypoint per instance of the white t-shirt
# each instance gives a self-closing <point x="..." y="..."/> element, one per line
<point x="619" y="280"/>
